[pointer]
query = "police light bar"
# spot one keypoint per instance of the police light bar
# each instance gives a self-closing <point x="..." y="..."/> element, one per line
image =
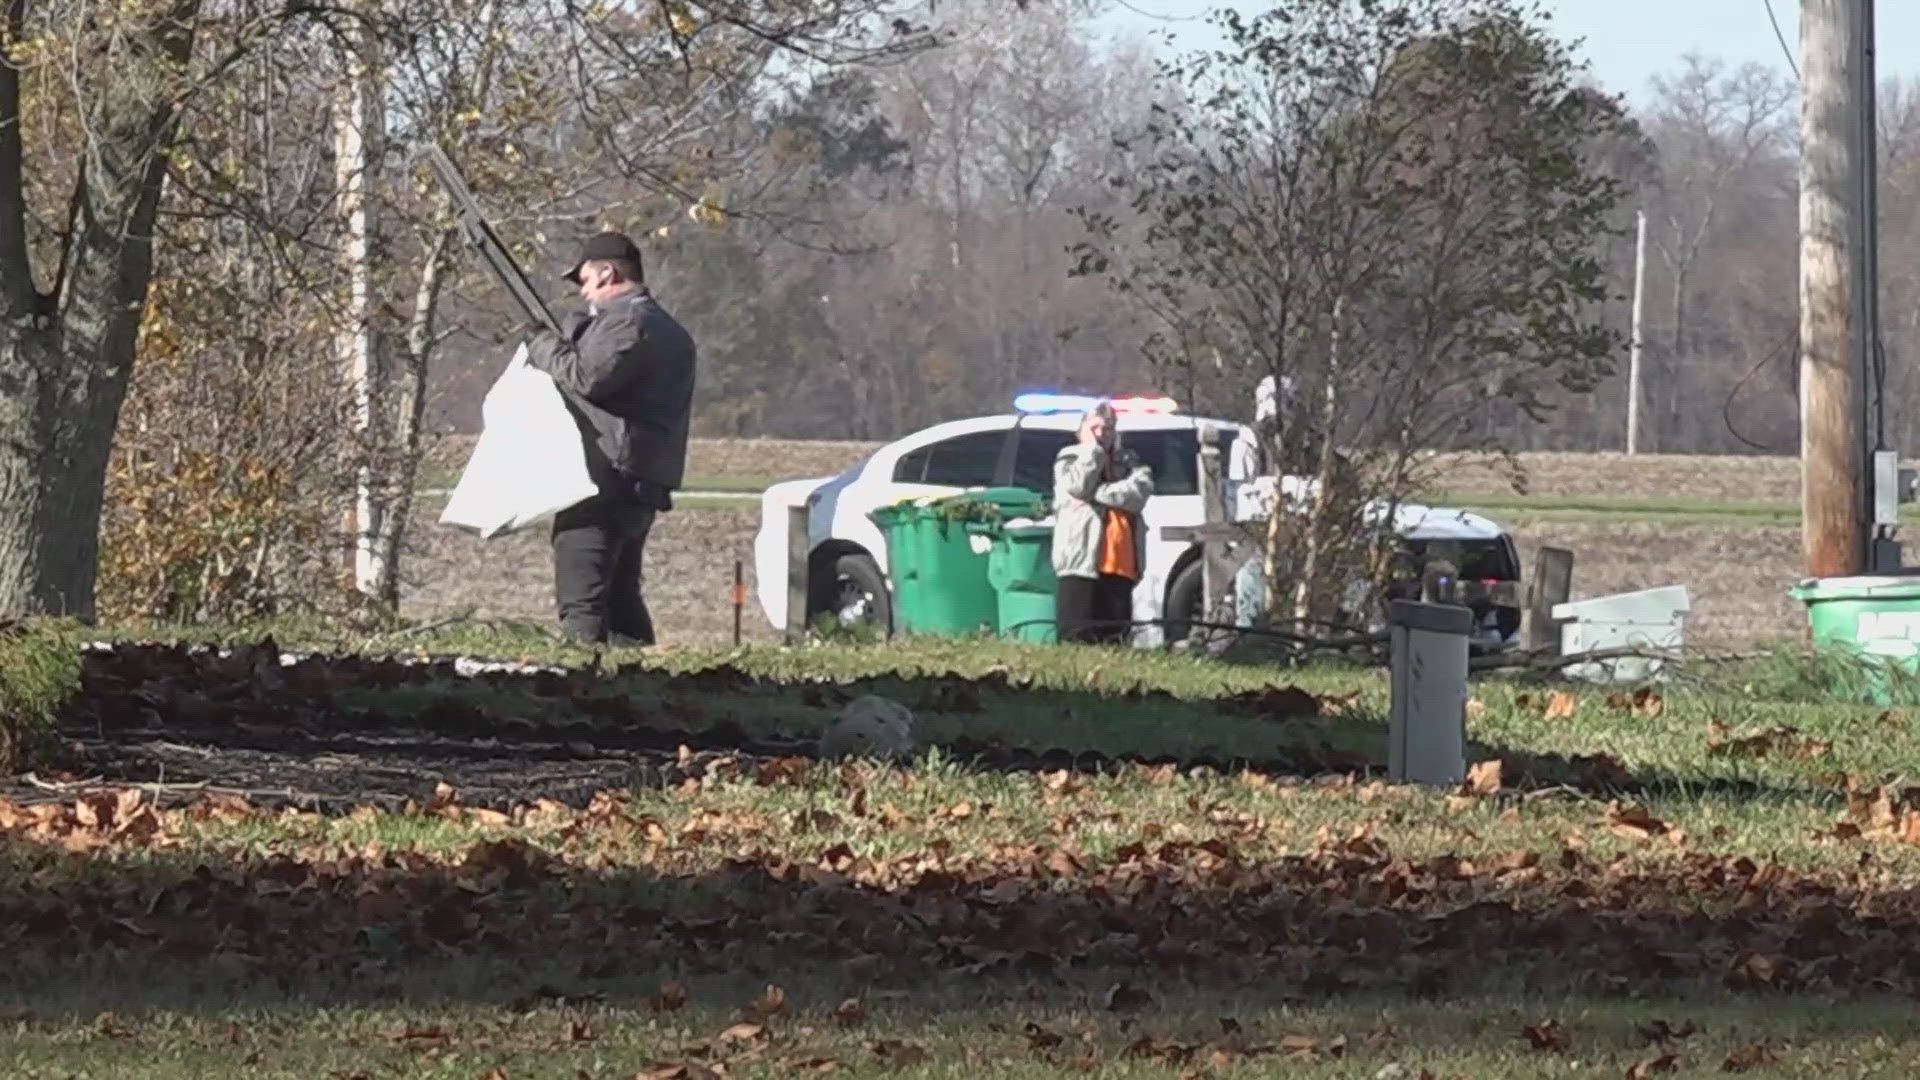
<point x="1043" y="402"/>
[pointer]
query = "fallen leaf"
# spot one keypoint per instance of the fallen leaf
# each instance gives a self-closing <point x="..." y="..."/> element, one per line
<point x="1546" y="1035"/>
<point x="850" y="1013"/>
<point x="898" y="1055"/>
<point x="816" y="1065"/>
<point x="420" y="1036"/>
<point x="1748" y="1058"/>
<point x="1309" y="1046"/>
<point x="1644" y="702"/>
<point x="671" y="996"/>
<point x="1484" y="777"/>
<point x="1665" y="1063"/>
<point x="1562" y="705"/>
<point x="1039" y="1038"/>
<point x="1632" y="821"/>
<point x="783" y="771"/>
<point x="1778" y="739"/>
<point x="771" y="1003"/>
<point x="579" y="1031"/>
<point x="684" y="1070"/>
<point x="741" y="1033"/>
<point x="1062" y="782"/>
<point x="1659" y="1031"/>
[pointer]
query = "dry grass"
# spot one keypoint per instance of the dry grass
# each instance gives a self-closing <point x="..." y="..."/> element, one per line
<point x="688" y="574"/>
<point x="729" y="462"/>
<point x="1737" y="574"/>
<point x="1704" y="478"/>
<point x="1737" y="571"/>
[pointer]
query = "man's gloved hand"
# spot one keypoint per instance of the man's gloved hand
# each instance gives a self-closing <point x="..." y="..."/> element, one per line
<point x="540" y="346"/>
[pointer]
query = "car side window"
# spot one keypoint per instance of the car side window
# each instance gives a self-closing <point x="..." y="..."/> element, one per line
<point x="1033" y="458"/>
<point x="962" y="461"/>
<point x="1170" y="454"/>
<point x="1174" y="456"/>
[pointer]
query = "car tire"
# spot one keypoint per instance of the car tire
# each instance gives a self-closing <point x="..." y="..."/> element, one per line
<point x="855" y="591"/>
<point x="1185" y="599"/>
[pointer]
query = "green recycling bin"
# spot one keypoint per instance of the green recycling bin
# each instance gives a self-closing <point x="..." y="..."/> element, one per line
<point x="1875" y="620"/>
<point x="939" y="565"/>
<point x="1020" y="569"/>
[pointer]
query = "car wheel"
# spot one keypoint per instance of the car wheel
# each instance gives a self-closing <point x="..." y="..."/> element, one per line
<point x="856" y="594"/>
<point x="1185" y="599"/>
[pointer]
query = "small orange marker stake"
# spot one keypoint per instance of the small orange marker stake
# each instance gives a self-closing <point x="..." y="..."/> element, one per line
<point x="739" y="598"/>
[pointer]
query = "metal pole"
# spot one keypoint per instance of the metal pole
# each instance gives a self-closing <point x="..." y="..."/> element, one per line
<point x="1833" y="401"/>
<point x="1633" y="357"/>
<point x="739" y="597"/>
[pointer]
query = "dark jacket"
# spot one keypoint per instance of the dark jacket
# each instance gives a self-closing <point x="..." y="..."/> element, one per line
<point x="628" y="375"/>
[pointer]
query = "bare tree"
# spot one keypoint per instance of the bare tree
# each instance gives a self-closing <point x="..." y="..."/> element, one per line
<point x="1390" y="207"/>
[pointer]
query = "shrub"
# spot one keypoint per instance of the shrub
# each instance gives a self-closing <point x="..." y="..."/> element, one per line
<point x="39" y="672"/>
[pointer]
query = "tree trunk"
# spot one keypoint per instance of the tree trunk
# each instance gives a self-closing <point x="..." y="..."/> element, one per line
<point x="409" y="393"/>
<point x="66" y="356"/>
<point x="359" y="139"/>
<point x="1312" y="565"/>
<point x="58" y="407"/>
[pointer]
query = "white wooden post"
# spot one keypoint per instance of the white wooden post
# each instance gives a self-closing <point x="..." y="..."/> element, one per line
<point x="1215" y="577"/>
<point x="799" y="548"/>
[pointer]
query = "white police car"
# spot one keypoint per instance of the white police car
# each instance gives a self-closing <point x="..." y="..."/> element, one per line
<point x="847" y="569"/>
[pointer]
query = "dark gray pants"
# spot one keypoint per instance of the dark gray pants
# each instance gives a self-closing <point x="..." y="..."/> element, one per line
<point x="597" y="549"/>
<point x="1093" y="610"/>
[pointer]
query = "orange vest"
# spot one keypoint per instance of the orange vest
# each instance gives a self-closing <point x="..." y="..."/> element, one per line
<point x="1118" y="555"/>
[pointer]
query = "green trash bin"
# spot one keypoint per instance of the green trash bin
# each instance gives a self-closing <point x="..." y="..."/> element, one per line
<point x="938" y="565"/>
<point x="1020" y="569"/>
<point x="1875" y="620"/>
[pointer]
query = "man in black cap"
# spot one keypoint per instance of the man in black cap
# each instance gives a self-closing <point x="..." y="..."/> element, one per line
<point x="626" y="369"/>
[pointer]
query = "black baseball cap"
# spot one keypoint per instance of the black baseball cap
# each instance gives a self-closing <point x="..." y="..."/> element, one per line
<point x="606" y="245"/>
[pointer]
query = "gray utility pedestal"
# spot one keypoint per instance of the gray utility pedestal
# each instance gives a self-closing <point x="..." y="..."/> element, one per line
<point x="1427" y="730"/>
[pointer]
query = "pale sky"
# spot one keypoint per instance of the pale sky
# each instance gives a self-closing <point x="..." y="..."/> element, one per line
<point x="1626" y="41"/>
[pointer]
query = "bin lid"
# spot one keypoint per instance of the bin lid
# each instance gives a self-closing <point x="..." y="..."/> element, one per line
<point x="1007" y="497"/>
<point x="1863" y="587"/>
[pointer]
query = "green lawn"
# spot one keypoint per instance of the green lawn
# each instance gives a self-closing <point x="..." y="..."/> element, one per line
<point x="1713" y="875"/>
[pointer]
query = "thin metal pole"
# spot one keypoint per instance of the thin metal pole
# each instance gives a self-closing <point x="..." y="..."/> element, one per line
<point x="1633" y="358"/>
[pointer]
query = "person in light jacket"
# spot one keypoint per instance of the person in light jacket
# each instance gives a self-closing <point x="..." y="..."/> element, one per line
<point x="1099" y="540"/>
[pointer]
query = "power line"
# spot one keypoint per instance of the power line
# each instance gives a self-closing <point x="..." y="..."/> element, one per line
<point x="1781" y="37"/>
<point x="1158" y="18"/>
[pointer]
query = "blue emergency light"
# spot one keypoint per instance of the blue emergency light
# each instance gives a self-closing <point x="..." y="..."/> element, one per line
<point x="1040" y="401"/>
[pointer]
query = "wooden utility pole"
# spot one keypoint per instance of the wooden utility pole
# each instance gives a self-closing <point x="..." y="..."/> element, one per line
<point x="1833" y="333"/>
<point x="1633" y="357"/>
